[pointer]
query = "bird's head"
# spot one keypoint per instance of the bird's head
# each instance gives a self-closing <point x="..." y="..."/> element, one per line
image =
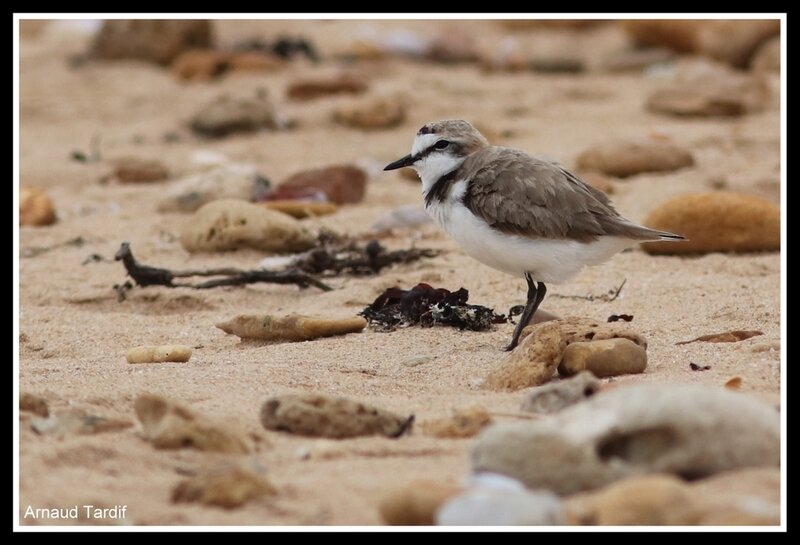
<point x="440" y="147"/>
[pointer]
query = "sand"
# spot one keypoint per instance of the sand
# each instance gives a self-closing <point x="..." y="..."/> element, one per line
<point x="74" y="334"/>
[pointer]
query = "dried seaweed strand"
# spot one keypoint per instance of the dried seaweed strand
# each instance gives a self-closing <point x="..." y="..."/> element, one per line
<point x="145" y="275"/>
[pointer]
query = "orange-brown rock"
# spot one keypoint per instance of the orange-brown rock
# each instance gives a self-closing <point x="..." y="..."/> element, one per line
<point x="717" y="222"/>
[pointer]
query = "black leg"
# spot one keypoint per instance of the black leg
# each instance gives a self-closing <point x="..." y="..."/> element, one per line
<point x="535" y="296"/>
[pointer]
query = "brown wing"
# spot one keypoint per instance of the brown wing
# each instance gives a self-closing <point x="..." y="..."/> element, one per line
<point x="524" y="195"/>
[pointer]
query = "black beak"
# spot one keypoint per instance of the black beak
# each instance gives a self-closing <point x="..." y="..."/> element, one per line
<point x="406" y="161"/>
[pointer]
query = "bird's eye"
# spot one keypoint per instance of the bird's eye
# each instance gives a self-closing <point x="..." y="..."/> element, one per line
<point x="441" y="144"/>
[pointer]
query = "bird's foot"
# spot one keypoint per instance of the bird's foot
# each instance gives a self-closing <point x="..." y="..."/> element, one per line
<point x="510" y="347"/>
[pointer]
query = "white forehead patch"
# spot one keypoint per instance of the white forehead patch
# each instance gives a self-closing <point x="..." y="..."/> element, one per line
<point x="422" y="142"/>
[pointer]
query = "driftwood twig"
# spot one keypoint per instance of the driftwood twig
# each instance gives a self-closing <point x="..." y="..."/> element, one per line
<point x="145" y="275"/>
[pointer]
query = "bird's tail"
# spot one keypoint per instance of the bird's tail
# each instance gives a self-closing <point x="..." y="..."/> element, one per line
<point x="653" y="235"/>
<point x="645" y="234"/>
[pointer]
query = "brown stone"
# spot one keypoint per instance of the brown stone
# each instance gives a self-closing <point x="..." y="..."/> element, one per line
<point x="629" y="157"/>
<point x="717" y="222"/>
<point x="651" y="500"/>
<point x="155" y="40"/>
<point x="301" y="209"/>
<point x="229" y="224"/>
<point x="371" y="114"/>
<point x="170" y="425"/>
<point x="254" y="61"/>
<point x="704" y="89"/>
<point x="136" y="170"/>
<point x="315" y="88"/>
<point x="452" y="46"/>
<point x="33" y="403"/>
<point x="463" y="423"/>
<point x="731" y="41"/>
<point x="606" y="358"/>
<point x="531" y="363"/>
<point x="541" y="349"/>
<point x="343" y="184"/>
<point x="200" y="64"/>
<point x="226" y="115"/>
<point x="292" y="328"/>
<point x="318" y="415"/>
<point x="228" y="488"/>
<point x="741" y="497"/>
<point x="35" y="207"/>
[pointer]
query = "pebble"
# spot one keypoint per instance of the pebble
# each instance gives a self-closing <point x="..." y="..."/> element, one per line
<point x="703" y="89"/>
<point x="739" y="497"/>
<point x="717" y="222"/>
<point x="231" y="181"/>
<point x="33" y="403"/>
<point x="687" y="430"/>
<point x="625" y="158"/>
<point x="155" y="40"/>
<point x="606" y="358"/>
<point x="228" y="488"/>
<point x="499" y="507"/>
<point x="767" y="58"/>
<point x="734" y="383"/>
<point x="35" y="207"/>
<point x="318" y="415"/>
<point x="77" y="421"/>
<point x="731" y="41"/>
<point x="542" y="346"/>
<point x="649" y="500"/>
<point x="292" y="328"/>
<point x="463" y="423"/>
<point x="136" y="170"/>
<point x="531" y="363"/>
<point x="301" y="209"/>
<point x="321" y="87"/>
<point x="229" y="224"/>
<point x="416" y="503"/>
<point x="159" y="354"/>
<point x="371" y="114"/>
<point x="744" y="497"/>
<point x="342" y="184"/>
<point x="558" y="395"/>
<point x="407" y="216"/>
<point x="452" y="46"/>
<point x="227" y="115"/>
<point x="170" y="425"/>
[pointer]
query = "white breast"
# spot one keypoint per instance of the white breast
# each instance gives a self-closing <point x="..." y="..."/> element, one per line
<point x="547" y="260"/>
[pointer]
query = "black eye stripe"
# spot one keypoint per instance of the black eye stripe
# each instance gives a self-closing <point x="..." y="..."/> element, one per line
<point x="452" y="146"/>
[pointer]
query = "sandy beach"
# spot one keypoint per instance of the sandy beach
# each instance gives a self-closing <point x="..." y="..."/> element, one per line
<point x="74" y="333"/>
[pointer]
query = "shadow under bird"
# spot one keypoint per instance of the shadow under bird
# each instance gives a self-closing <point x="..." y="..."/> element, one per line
<point x="514" y="212"/>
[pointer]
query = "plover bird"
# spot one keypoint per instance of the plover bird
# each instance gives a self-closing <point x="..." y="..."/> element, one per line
<point x="520" y="214"/>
